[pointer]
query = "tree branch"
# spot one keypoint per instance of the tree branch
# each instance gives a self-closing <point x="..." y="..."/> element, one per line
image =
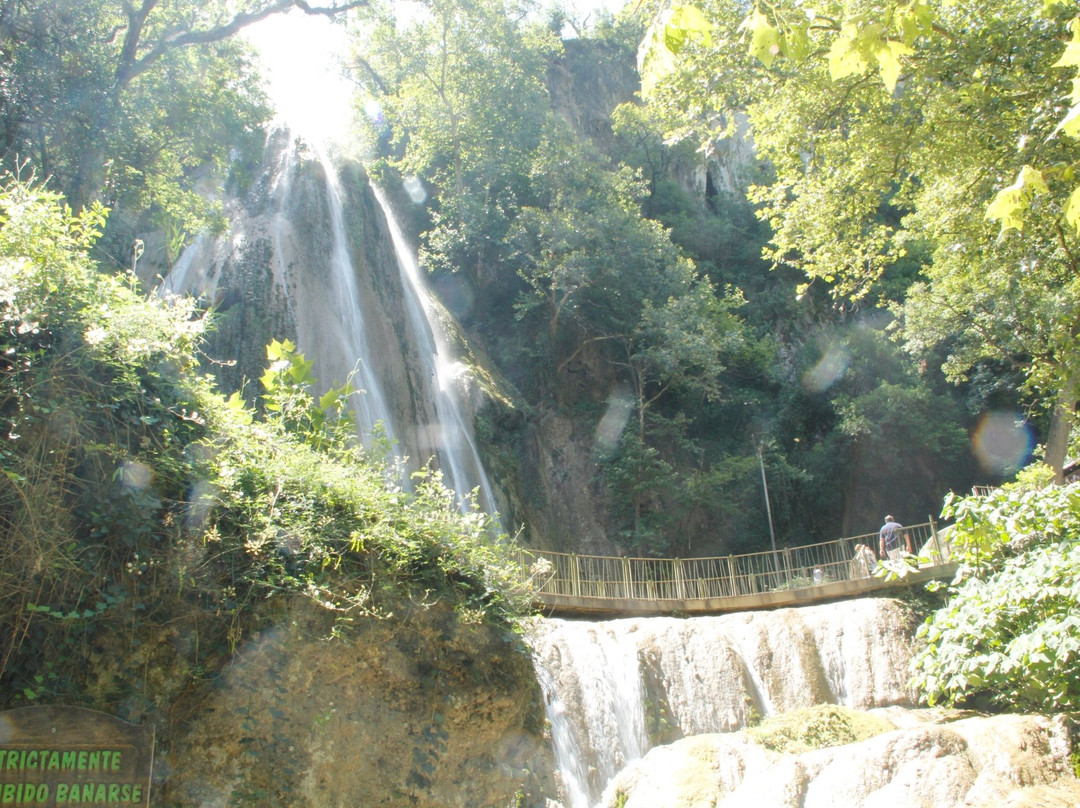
<point x="577" y="351"/>
<point x="131" y="66"/>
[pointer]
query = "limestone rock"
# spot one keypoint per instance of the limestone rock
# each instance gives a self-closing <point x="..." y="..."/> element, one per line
<point x="1016" y="760"/>
<point x="421" y="711"/>
<point x="616" y="688"/>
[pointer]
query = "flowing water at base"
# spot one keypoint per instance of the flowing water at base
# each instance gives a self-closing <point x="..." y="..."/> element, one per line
<point x="615" y="689"/>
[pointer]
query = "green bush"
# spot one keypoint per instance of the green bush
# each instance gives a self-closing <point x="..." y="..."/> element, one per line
<point x="135" y="498"/>
<point x="817" y="727"/>
<point x="1009" y="637"/>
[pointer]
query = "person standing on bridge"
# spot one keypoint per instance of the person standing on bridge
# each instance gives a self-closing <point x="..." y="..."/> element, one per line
<point x="890" y="537"/>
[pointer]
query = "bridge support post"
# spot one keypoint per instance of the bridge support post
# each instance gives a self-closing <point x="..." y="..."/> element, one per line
<point x="628" y="582"/>
<point x="680" y="580"/>
<point x="522" y="566"/>
<point x="575" y="576"/>
<point x="731" y="576"/>
<point x="937" y="544"/>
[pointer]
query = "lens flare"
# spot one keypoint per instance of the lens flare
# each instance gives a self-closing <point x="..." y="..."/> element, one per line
<point x="415" y="189"/>
<point x="827" y="371"/>
<point x="620" y="405"/>
<point x="1003" y="442"/>
<point x="135" y="475"/>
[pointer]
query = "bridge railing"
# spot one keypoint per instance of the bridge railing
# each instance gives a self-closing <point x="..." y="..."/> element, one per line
<point x="621" y="577"/>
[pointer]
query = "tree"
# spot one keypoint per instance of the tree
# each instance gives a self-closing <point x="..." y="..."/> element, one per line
<point x="124" y="101"/>
<point x="607" y="286"/>
<point x="587" y="256"/>
<point x="604" y="277"/>
<point x="943" y="131"/>
<point x="874" y="434"/>
<point x="462" y="85"/>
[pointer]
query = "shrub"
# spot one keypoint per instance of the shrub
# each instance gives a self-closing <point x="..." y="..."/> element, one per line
<point x="1009" y="636"/>
<point x="817" y="727"/>
<point x="135" y="497"/>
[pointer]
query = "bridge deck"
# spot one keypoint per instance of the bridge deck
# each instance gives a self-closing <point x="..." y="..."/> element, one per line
<point x="570" y="606"/>
<point x="572" y="584"/>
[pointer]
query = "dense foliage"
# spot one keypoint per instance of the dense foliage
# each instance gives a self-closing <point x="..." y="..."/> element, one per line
<point x="917" y="180"/>
<point x="582" y="255"/>
<point x="147" y="107"/>
<point x="1009" y="635"/>
<point x="925" y="157"/>
<point x="135" y="497"/>
<point x="818" y="727"/>
<point x="600" y="281"/>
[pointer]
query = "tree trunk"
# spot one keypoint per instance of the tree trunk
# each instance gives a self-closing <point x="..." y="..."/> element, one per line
<point x="1057" y="441"/>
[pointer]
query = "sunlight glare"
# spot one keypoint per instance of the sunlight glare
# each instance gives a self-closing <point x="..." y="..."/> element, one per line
<point x="302" y="56"/>
<point x="827" y="371"/>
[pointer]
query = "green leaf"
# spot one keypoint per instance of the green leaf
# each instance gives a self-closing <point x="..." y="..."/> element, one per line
<point x="1071" y="57"/>
<point x="1072" y="210"/>
<point x="329" y="400"/>
<point x="795" y="42"/>
<point x="279" y="350"/>
<point x="666" y="38"/>
<point x="914" y="20"/>
<point x="1070" y="124"/>
<point x="1011" y="203"/>
<point x="300" y="369"/>
<point x="888" y="55"/>
<point x="686" y="23"/>
<point x="764" y="38"/>
<point x="269" y="379"/>
<point x="846" y="56"/>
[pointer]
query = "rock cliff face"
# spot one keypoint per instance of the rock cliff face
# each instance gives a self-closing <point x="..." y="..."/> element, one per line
<point x="979" y="761"/>
<point x="587" y="81"/>
<point x="418" y="710"/>
<point x="280" y="273"/>
<point x="653" y="713"/>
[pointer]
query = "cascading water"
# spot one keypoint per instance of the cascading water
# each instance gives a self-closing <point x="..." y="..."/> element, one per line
<point x="370" y="407"/>
<point x="615" y="689"/>
<point x="594" y="696"/>
<point x="459" y="459"/>
<point x="333" y="269"/>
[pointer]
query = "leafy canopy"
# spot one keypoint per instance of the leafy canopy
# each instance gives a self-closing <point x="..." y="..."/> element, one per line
<point x="144" y="106"/>
<point x="939" y="134"/>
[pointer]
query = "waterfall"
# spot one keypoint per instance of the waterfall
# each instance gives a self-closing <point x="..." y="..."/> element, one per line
<point x="615" y="689"/>
<point x="459" y="459"/>
<point x="370" y="408"/>
<point x="324" y="263"/>
<point x="594" y="696"/>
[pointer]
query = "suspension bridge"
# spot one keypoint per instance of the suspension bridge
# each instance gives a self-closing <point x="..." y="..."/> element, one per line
<point x="618" y="586"/>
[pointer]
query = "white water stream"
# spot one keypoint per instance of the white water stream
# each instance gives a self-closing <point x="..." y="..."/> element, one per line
<point x="451" y="433"/>
<point x="370" y="407"/>
<point x="615" y="689"/>
<point x="369" y="317"/>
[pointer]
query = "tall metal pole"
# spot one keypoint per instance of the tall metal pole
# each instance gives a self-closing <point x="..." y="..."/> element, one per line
<point x="768" y="510"/>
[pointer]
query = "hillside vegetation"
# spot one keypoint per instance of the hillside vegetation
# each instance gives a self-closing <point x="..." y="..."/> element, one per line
<point x="135" y="496"/>
<point x="903" y="270"/>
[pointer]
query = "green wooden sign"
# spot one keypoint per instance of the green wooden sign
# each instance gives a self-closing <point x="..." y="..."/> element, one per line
<point x="60" y="756"/>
